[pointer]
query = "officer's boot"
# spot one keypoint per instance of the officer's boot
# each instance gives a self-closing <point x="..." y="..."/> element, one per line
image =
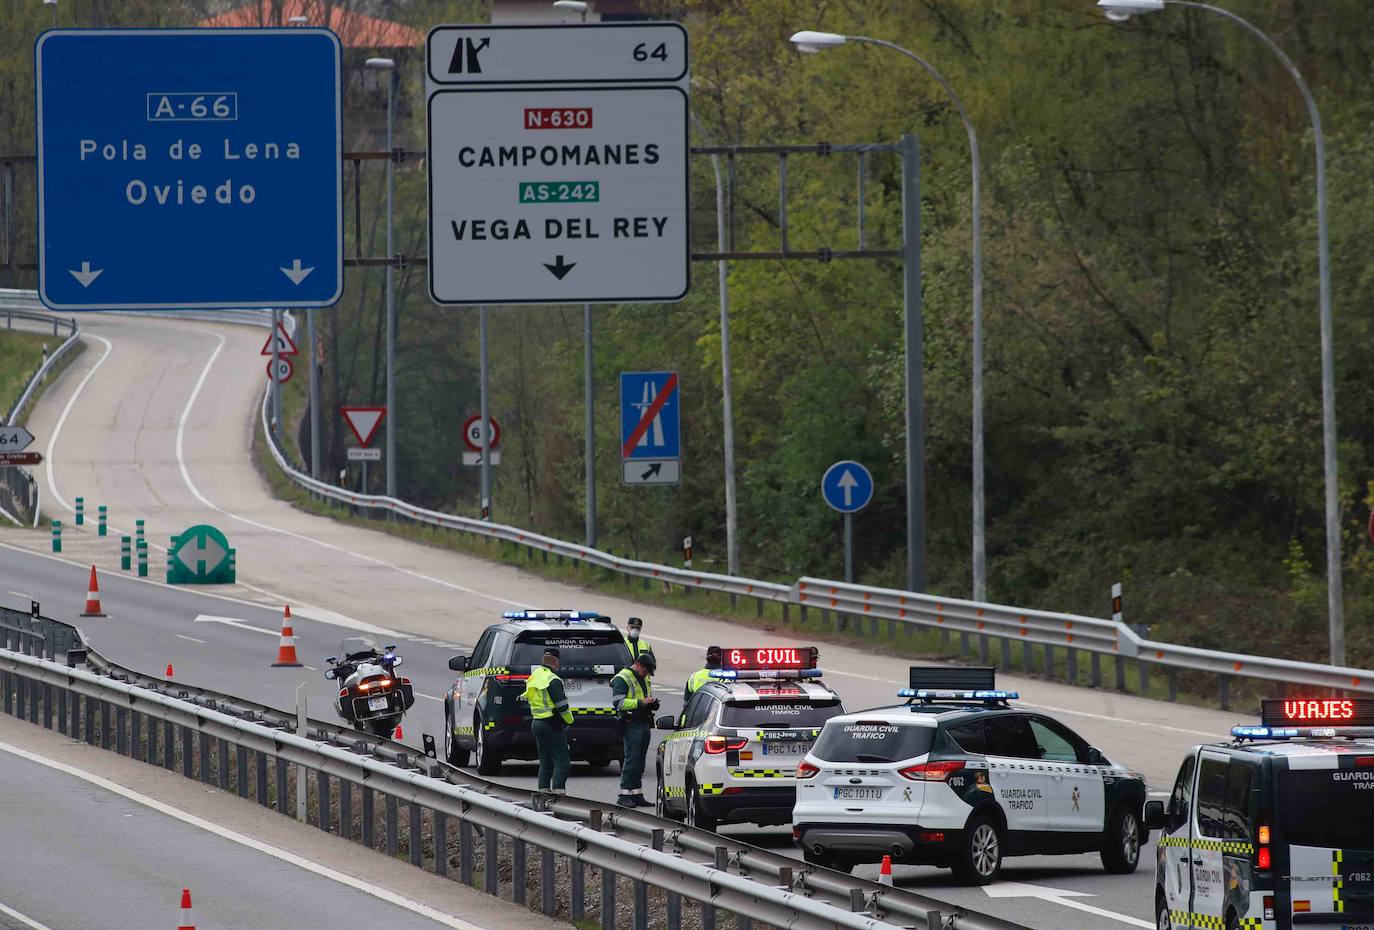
<point x="626" y="800"/>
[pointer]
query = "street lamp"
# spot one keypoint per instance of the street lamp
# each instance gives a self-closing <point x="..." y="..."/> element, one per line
<point x="53" y="4"/>
<point x="389" y="65"/>
<point x="574" y="6"/>
<point x="1121" y="10"/>
<point x="812" y="42"/>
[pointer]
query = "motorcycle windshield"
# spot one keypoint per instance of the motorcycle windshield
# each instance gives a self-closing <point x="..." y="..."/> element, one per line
<point x="352" y="645"/>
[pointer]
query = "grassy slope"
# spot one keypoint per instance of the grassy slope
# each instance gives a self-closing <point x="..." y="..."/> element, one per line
<point x="20" y="356"/>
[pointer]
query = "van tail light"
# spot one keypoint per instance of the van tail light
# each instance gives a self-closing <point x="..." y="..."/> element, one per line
<point x="931" y="771"/>
<point x="715" y="745"/>
<point x="806" y="770"/>
<point x="1264" y="860"/>
<point x="1264" y="834"/>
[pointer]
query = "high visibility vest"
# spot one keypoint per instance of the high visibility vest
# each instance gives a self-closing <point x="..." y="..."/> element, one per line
<point x="638" y="647"/>
<point x="537" y="692"/>
<point x="699" y="678"/>
<point x="636" y="695"/>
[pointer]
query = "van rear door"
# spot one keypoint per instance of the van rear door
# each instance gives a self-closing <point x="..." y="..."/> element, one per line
<point x="1325" y="811"/>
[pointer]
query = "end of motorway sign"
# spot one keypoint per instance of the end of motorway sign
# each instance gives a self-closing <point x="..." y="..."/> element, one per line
<point x="189" y="168"/>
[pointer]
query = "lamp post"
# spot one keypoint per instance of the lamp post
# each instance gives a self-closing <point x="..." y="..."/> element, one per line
<point x="818" y="41"/>
<point x="1122" y="10"/>
<point x="314" y="350"/>
<point x="53" y="4"/>
<point x="389" y="65"/>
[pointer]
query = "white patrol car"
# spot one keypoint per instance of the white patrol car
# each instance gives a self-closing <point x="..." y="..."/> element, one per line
<point x="731" y="756"/>
<point x="956" y="777"/>
<point x="1276" y="828"/>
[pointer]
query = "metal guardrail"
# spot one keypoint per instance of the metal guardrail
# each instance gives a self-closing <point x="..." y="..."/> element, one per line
<point x="1051" y="631"/>
<point x="92" y="699"/>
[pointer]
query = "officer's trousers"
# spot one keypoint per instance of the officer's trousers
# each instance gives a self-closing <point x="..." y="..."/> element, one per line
<point x="636" y="747"/>
<point x="551" y="740"/>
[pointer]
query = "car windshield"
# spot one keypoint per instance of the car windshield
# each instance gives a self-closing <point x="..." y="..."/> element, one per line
<point x="872" y="741"/>
<point x="1331" y="808"/>
<point x="779" y="715"/>
<point x="576" y="649"/>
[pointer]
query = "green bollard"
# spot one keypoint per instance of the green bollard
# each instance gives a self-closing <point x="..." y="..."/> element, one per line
<point x="142" y="558"/>
<point x="125" y="545"/>
<point x="57" y="536"/>
<point x="138" y="531"/>
<point x="100" y="517"/>
<point x="80" y="511"/>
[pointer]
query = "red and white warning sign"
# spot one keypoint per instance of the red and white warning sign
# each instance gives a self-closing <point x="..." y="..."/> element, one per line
<point x="363" y="421"/>
<point x="285" y="369"/>
<point x="285" y="344"/>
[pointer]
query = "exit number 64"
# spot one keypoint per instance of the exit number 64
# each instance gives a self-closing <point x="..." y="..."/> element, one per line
<point x="642" y="52"/>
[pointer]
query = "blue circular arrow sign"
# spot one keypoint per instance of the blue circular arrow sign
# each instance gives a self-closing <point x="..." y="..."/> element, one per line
<point x="847" y="486"/>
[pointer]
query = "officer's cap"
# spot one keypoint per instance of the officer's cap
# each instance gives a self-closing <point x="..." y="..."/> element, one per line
<point x="647" y="660"/>
<point x="635" y="622"/>
<point x="550" y="652"/>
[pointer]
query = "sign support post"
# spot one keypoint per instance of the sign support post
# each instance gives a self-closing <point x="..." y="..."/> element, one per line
<point x="275" y="385"/>
<point x="848" y="548"/>
<point x="589" y="401"/>
<point x="914" y="365"/>
<point x="486" y="413"/>
<point x="314" y="394"/>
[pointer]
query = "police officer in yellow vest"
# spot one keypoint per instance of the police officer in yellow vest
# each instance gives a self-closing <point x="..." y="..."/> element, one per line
<point x="633" y="639"/>
<point x="551" y="716"/>
<point x="634" y="706"/>
<point x="702" y="675"/>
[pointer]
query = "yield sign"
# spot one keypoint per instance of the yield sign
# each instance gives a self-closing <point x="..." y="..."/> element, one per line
<point x="285" y="345"/>
<point x="364" y="421"/>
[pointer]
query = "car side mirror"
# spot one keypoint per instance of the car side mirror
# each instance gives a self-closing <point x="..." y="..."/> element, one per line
<point x="458" y="664"/>
<point x="1094" y="756"/>
<point x="667" y="722"/>
<point x="1154" y="815"/>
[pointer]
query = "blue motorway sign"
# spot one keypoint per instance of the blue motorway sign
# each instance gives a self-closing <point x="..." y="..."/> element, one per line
<point x="847" y="486"/>
<point x="189" y="168"/>
<point x="650" y="435"/>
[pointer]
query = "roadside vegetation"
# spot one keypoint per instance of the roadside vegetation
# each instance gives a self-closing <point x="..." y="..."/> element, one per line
<point x="1153" y="396"/>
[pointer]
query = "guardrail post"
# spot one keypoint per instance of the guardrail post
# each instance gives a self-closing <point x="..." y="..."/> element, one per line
<point x="151" y="756"/>
<point x="105" y="725"/>
<point x="1144" y="678"/>
<point x="963" y="644"/>
<point x="121" y="735"/>
<point x="260" y="776"/>
<point x="1120" y="672"/>
<point x="1006" y="654"/>
<point x="517" y="870"/>
<point x="88" y="719"/>
<point x="61" y="710"/>
<point x="465" y="858"/>
<point x="1097" y="669"/>
<point x="935" y="920"/>
<point x="222" y="763"/>
<point x="393" y="816"/>
<point x="135" y="735"/>
<point x="369" y="833"/>
<point x="491" y="865"/>
<point x="417" y="831"/>
<point x="547" y="877"/>
<point x="1049" y="661"/>
<point x="187" y="757"/>
<point x="641" y="890"/>
<point x="1225" y="692"/>
<point x="1026" y="651"/>
<point x="440" y="838"/>
<point x="324" y="795"/>
<point x="345" y="809"/>
<point x="577" y="875"/>
<point x="983" y="648"/>
<point x="608" y="900"/>
<point x="47" y="706"/>
<point x="203" y="751"/>
<point x="1172" y="674"/>
<point x="1072" y="654"/>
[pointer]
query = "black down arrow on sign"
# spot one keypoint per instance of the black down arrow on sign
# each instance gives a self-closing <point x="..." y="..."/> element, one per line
<point x="559" y="269"/>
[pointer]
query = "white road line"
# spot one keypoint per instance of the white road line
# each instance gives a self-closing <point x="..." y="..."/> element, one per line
<point x="26" y="921"/>
<point x="71" y="402"/>
<point x="1102" y="912"/>
<point x="191" y="638"/>
<point x="430" y="697"/>
<point x="350" y="881"/>
<point x="27" y="597"/>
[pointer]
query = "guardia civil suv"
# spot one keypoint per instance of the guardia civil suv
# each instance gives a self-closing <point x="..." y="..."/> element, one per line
<point x="957" y="777"/>
<point x="732" y="755"/>
<point x="485" y="721"/>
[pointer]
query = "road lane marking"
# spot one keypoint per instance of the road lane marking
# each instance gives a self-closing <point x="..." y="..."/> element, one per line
<point x="71" y="402"/>
<point x="191" y="485"/>
<point x="1060" y="896"/>
<point x="26" y="921"/>
<point x="191" y="638"/>
<point x="430" y="697"/>
<point x="234" y="622"/>
<point x="27" y="597"/>
<point x="275" y="852"/>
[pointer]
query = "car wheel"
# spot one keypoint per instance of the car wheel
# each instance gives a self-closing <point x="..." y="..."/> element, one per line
<point x="453" y="754"/>
<point x="661" y="801"/>
<point x="487" y="759"/>
<point x="696" y="817"/>
<point x="979" y="857"/>
<point x="1162" y="919"/>
<point x="1121" y="845"/>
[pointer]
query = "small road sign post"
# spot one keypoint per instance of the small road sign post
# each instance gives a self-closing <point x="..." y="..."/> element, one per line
<point x="200" y="555"/>
<point x="847" y="487"/>
<point x="363" y="421"/>
<point x="472" y="438"/>
<point x="175" y="172"/>
<point x="650" y="428"/>
<point x="575" y="190"/>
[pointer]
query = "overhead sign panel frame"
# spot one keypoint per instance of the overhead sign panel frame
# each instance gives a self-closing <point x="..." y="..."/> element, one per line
<point x="175" y="173"/>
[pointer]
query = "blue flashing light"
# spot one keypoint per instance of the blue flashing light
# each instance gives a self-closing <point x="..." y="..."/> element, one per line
<point x="724" y="673"/>
<point x="551" y="615"/>
<point x="927" y="695"/>
<point x="732" y="674"/>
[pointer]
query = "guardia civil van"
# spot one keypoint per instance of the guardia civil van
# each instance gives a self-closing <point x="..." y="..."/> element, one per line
<point x="1275" y="828"/>
<point x="958" y="777"/>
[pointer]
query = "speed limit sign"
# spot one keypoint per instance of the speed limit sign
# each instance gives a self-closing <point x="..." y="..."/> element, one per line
<point x="472" y="433"/>
<point x="283" y="372"/>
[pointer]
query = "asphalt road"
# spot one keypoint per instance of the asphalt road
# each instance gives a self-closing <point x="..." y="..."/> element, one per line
<point x="155" y="419"/>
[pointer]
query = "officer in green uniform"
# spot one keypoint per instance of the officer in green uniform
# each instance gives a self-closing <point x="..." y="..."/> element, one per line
<point x="551" y="716"/>
<point x="634" y="706"/>
<point x="638" y="646"/>
<point x="699" y="678"/>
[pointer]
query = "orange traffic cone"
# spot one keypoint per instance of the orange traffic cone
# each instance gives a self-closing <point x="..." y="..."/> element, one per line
<point x="188" y="922"/>
<point x="286" y="653"/>
<point x="398" y="735"/>
<point x="885" y="872"/>
<point x="93" y="598"/>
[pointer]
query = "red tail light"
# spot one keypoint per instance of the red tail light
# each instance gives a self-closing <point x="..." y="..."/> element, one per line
<point x="510" y="678"/>
<point x="715" y="745"/>
<point x="1264" y="860"/>
<point x="807" y="770"/>
<point x="343" y="692"/>
<point x="931" y="771"/>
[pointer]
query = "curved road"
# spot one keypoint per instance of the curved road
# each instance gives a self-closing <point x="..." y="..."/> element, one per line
<point x="155" y="420"/>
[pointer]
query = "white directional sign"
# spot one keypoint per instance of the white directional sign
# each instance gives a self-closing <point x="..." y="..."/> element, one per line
<point x="14" y="438"/>
<point x="356" y="454"/>
<point x="555" y="192"/>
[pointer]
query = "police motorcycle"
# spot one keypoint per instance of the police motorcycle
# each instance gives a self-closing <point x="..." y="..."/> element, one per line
<point x="371" y="695"/>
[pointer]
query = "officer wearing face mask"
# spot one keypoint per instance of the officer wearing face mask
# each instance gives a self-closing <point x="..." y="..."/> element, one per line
<point x="638" y="646"/>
